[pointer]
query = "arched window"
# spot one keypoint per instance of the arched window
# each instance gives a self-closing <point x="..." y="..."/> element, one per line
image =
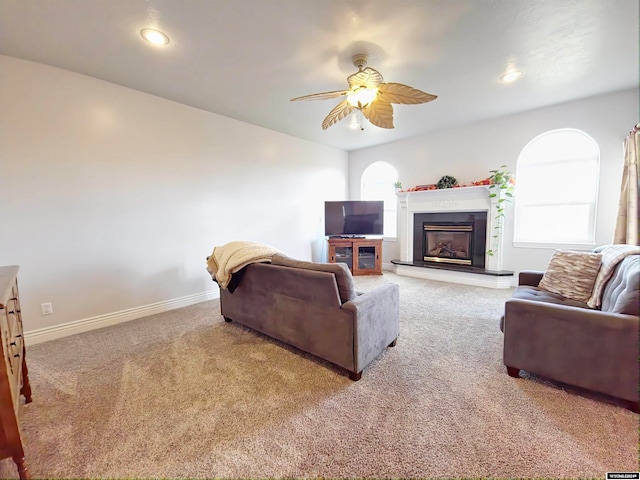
<point x="377" y="184"/>
<point x="556" y="190"/>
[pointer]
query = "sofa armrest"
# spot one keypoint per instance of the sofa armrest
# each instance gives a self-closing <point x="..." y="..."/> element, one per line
<point x="580" y="346"/>
<point x="530" y="277"/>
<point x="376" y="315"/>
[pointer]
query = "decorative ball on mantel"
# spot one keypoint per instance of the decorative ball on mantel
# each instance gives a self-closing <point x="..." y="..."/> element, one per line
<point x="447" y="182"/>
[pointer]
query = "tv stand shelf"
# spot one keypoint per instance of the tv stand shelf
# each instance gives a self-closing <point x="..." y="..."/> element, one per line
<point x="363" y="256"/>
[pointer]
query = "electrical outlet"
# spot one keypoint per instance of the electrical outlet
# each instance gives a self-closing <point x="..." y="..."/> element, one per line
<point x="47" y="308"/>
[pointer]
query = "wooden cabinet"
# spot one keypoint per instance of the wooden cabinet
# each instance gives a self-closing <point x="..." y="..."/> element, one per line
<point x="363" y="256"/>
<point x="14" y="377"/>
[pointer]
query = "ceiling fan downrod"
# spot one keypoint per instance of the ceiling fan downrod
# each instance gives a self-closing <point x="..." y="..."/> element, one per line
<point x="360" y="60"/>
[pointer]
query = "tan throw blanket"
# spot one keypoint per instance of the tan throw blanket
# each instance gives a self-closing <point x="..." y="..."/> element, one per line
<point x="611" y="256"/>
<point x="233" y="256"/>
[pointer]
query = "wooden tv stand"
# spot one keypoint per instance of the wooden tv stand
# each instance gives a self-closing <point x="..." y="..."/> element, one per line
<point x="363" y="256"/>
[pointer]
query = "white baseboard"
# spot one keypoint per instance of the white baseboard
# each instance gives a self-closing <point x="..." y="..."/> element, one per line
<point x="40" y="335"/>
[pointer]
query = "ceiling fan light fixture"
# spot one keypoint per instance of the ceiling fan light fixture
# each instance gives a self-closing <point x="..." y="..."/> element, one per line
<point x="360" y="97"/>
<point x="510" y="76"/>
<point x="357" y="121"/>
<point x="369" y="95"/>
<point x="154" y="36"/>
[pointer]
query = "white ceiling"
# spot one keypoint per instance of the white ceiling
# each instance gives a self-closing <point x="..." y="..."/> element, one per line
<point x="246" y="59"/>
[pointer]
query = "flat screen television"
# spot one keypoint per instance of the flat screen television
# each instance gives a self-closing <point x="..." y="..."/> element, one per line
<point x="353" y="218"/>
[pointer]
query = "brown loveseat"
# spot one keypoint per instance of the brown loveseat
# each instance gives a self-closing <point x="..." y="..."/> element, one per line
<point x="315" y="307"/>
<point x="567" y="341"/>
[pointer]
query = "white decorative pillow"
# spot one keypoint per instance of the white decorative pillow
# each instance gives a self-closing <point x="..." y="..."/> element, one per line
<point x="572" y="274"/>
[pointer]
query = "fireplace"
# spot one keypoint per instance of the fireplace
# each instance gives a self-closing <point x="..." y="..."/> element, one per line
<point x="447" y="207"/>
<point x="457" y="238"/>
<point x="447" y="243"/>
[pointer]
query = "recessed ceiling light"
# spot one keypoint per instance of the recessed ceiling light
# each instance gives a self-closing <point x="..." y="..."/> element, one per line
<point x="510" y="76"/>
<point x="154" y="36"/>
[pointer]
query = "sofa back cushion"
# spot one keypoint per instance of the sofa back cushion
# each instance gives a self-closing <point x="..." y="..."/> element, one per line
<point x="346" y="287"/>
<point x="612" y="255"/>
<point x="620" y="295"/>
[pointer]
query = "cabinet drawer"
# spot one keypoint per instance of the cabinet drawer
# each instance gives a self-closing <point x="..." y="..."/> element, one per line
<point x="11" y="382"/>
<point x="5" y="334"/>
<point x="13" y="348"/>
<point x="14" y="328"/>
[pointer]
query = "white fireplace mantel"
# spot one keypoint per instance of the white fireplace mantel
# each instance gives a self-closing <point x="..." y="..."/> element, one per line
<point x="462" y="199"/>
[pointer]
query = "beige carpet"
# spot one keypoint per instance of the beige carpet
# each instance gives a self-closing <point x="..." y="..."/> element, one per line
<point x="184" y="394"/>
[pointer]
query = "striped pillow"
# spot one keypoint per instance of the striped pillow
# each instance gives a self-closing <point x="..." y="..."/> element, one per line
<point x="572" y="274"/>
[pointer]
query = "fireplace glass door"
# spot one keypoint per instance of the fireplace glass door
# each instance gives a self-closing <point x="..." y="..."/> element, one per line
<point x="448" y="243"/>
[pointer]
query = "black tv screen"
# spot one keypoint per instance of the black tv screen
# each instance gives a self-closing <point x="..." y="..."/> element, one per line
<point x="353" y="218"/>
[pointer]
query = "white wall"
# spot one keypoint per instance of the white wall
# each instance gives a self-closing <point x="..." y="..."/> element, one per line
<point x="469" y="153"/>
<point x="110" y="199"/>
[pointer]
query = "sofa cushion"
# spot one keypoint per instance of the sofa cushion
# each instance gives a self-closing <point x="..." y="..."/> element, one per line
<point x="528" y="292"/>
<point x="572" y="274"/>
<point x="346" y="287"/>
<point x="540" y="295"/>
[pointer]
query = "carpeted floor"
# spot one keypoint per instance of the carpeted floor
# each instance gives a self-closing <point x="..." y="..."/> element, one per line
<point x="184" y="394"/>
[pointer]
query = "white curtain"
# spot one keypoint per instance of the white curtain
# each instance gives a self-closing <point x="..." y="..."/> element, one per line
<point x="627" y="221"/>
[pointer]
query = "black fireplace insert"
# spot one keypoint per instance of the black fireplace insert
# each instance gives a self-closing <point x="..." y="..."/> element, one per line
<point x="450" y="237"/>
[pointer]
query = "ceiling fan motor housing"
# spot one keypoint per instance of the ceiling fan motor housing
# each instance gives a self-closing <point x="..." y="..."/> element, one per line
<point x="360" y="60"/>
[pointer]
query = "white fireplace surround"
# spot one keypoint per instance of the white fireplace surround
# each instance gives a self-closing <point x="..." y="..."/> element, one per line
<point x="463" y="199"/>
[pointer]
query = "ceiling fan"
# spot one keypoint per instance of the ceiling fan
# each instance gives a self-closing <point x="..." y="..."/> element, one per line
<point x="370" y="95"/>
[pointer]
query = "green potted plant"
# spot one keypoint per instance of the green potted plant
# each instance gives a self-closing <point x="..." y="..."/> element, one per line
<point x="447" y="182"/>
<point x="397" y="185"/>
<point x="501" y="187"/>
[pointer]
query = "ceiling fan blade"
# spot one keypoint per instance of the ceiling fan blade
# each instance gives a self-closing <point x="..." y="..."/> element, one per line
<point x="399" y="93"/>
<point x="368" y="77"/>
<point x="339" y="112"/>
<point x="379" y="113"/>
<point x="321" y="96"/>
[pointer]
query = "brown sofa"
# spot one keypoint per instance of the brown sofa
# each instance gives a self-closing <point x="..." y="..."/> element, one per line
<point x="315" y="307"/>
<point x="565" y="340"/>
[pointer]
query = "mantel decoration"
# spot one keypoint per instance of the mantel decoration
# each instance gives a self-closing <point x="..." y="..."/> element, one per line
<point x="447" y="182"/>
<point x="498" y="180"/>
